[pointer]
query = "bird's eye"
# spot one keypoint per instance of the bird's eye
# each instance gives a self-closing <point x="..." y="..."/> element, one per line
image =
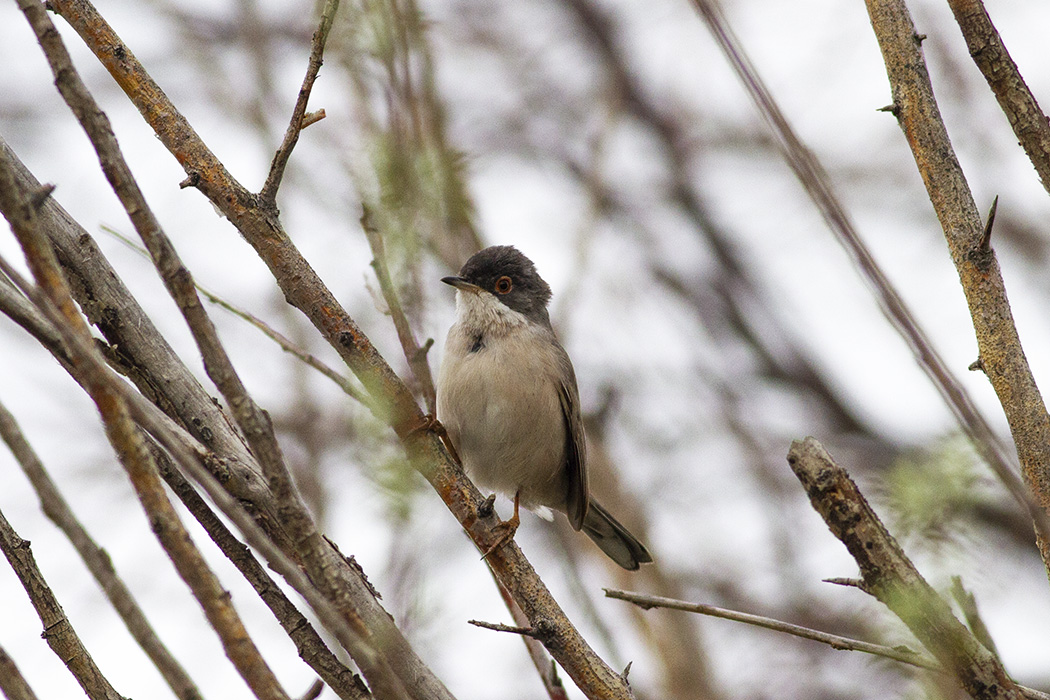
<point x="504" y="285"/>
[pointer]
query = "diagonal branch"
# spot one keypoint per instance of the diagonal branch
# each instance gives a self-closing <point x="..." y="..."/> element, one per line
<point x="903" y="655"/>
<point x="892" y="579"/>
<point x="95" y="558"/>
<point x="304" y="289"/>
<point x="52" y="296"/>
<point x="897" y="653"/>
<point x="1015" y="98"/>
<point x="811" y="174"/>
<point x="58" y="631"/>
<point x="415" y="354"/>
<point x="1000" y="354"/>
<point x="12" y="683"/>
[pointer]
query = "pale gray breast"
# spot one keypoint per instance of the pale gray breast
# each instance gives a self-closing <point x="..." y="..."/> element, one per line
<point x="498" y="399"/>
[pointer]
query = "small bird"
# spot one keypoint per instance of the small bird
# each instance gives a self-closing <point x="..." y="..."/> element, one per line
<point x="507" y="397"/>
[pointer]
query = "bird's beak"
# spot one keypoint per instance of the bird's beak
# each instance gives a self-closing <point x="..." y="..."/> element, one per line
<point x="461" y="284"/>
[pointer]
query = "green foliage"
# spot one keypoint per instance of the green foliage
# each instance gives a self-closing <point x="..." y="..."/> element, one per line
<point x="933" y="493"/>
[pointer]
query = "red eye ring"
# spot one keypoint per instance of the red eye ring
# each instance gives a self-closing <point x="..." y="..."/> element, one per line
<point x="504" y="284"/>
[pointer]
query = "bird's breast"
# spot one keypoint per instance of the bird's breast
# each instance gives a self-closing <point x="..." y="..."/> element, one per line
<point x="498" y="399"/>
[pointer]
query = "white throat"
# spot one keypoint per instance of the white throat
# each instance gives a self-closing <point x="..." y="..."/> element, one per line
<point x="482" y="311"/>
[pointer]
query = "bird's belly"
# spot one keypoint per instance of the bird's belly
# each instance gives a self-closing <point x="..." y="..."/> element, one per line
<point x="505" y="418"/>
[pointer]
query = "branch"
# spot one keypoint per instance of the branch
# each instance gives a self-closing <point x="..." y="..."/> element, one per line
<point x="999" y="347"/>
<point x="300" y="119"/>
<point x="891" y="578"/>
<point x="1016" y="100"/>
<point x="98" y="562"/>
<point x="12" y="683"/>
<point x="901" y="654"/>
<point x="814" y="178"/>
<point x="416" y="355"/>
<point x="58" y="631"/>
<point x="897" y="653"/>
<point x="308" y="643"/>
<point x="396" y="406"/>
<point x="118" y="315"/>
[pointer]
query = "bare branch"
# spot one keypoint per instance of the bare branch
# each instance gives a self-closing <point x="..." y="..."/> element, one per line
<point x="53" y="298"/>
<point x="96" y="559"/>
<point x="12" y="683"/>
<point x="416" y="355"/>
<point x="999" y="346"/>
<point x="121" y="319"/>
<point x="1015" y="98"/>
<point x="891" y="578"/>
<point x="305" y="290"/>
<point x="968" y="604"/>
<point x="815" y="180"/>
<point x="300" y="119"/>
<point x="308" y="643"/>
<point x="58" y="631"/>
<point x="902" y="654"/>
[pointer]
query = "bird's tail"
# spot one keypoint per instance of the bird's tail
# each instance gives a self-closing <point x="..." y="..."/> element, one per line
<point x="613" y="538"/>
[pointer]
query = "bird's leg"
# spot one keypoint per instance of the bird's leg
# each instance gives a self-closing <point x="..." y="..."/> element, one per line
<point x="506" y="528"/>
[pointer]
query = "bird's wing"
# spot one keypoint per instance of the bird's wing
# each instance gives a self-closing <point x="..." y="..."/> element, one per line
<point x="577" y="498"/>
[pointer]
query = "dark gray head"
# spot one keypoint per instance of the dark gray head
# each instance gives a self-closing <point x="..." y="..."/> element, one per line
<point x="509" y="276"/>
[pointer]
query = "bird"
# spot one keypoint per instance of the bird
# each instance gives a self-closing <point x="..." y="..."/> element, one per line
<point x="508" y="401"/>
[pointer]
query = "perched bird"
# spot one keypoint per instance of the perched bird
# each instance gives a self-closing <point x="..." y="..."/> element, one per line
<point x="508" y="400"/>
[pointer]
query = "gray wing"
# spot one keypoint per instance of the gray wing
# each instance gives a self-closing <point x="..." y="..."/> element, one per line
<point x="577" y="497"/>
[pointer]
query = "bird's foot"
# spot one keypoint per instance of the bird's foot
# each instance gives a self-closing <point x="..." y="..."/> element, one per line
<point x="506" y="528"/>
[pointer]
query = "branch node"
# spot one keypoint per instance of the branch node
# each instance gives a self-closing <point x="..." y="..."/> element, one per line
<point x="977" y="365"/>
<point x="626" y="671"/>
<point x="39" y="198"/>
<point x="919" y="38"/>
<point x="312" y="118"/>
<point x="192" y="180"/>
<point x="893" y="109"/>
<point x="986" y="238"/>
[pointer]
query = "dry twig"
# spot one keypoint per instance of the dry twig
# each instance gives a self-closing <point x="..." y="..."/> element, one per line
<point x="58" y="631"/>
<point x="1001" y="356"/>
<point x="95" y="558"/>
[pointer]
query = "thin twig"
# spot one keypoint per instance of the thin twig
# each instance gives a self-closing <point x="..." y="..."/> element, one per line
<point x="416" y="355"/>
<point x="98" y="562"/>
<point x="299" y="121"/>
<point x="968" y="604"/>
<point x="897" y="653"/>
<point x="58" y="631"/>
<point x="901" y="654"/>
<point x="273" y="334"/>
<point x="500" y="627"/>
<point x="815" y="180"/>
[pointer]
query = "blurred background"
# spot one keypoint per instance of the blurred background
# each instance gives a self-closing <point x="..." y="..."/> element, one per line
<point x="711" y="316"/>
